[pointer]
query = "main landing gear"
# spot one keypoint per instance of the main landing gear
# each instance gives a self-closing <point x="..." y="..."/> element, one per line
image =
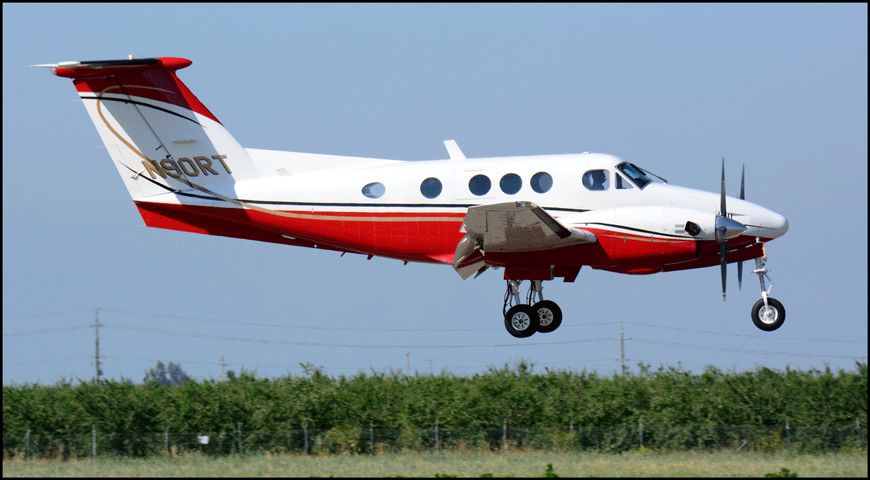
<point x="768" y="314"/>
<point x="524" y="319"/>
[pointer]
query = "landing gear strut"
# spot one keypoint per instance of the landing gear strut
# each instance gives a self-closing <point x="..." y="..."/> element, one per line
<point x="524" y="319"/>
<point x="768" y="314"/>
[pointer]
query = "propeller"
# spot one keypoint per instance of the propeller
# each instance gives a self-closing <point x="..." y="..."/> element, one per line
<point x="726" y="228"/>
<point x="742" y="197"/>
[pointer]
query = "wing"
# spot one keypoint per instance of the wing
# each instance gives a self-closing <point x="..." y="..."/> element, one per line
<point x="510" y="227"/>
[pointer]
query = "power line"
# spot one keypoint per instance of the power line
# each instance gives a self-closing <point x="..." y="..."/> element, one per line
<point x="43" y="315"/>
<point x="347" y="345"/>
<point x="48" y="330"/>
<point x="742" y="350"/>
<point x="296" y="326"/>
<point x="404" y="329"/>
<point x="43" y="360"/>
<point x="761" y="337"/>
<point x="455" y="346"/>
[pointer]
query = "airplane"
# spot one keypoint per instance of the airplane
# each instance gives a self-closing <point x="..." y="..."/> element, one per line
<point x="538" y="217"/>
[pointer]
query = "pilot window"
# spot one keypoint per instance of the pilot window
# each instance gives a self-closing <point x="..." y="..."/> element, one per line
<point x="621" y="183"/>
<point x="634" y="173"/>
<point x="596" y="180"/>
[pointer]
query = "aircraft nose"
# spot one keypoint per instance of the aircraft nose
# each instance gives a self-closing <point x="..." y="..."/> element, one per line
<point x="773" y="222"/>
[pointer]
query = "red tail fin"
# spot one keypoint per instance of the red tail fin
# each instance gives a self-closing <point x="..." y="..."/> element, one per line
<point x="152" y="78"/>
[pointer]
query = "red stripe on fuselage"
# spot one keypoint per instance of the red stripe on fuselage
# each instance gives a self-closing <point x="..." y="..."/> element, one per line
<point x="430" y="237"/>
<point x="404" y="235"/>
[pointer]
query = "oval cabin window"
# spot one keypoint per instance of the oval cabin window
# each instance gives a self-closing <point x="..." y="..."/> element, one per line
<point x="510" y="183"/>
<point x="431" y="187"/>
<point x="541" y="182"/>
<point x="479" y="185"/>
<point x="374" y="190"/>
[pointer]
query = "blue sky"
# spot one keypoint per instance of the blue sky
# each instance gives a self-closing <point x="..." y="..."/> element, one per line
<point x="673" y="88"/>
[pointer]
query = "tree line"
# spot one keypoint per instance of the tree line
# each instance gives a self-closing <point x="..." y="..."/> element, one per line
<point x="665" y="408"/>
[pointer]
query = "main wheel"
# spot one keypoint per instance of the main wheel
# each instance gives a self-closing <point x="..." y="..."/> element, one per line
<point x="520" y="321"/>
<point x="769" y="317"/>
<point x="549" y="316"/>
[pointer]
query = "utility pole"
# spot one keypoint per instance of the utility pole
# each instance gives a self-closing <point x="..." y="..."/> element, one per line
<point x="622" y="340"/>
<point x="97" y="344"/>
<point x="408" y="363"/>
<point x="222" y="364"/>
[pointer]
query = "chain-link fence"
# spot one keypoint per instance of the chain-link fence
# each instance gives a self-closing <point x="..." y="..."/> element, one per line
<point x="373" y="440"/>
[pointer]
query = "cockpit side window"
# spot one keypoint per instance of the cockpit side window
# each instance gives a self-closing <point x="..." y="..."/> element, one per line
<point x="596" y="180"/>
<point x="635" y="174"/>
<point x="622" y="183"/>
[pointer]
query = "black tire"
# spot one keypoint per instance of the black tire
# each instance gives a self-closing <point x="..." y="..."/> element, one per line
<point x="520" y="321"/>
<point x="770" y="320"/>
<point x="549" y="316"/>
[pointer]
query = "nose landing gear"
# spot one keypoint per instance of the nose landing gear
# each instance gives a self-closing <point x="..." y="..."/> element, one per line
<point x="524" y="319"/>
<point x="768" y="314"/>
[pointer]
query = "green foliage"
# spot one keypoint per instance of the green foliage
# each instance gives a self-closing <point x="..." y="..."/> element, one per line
<point x="783" y="472"/>
<point x="669" y="408"/>
<point x="169" y="376"/>
<point x="549" y="473"/>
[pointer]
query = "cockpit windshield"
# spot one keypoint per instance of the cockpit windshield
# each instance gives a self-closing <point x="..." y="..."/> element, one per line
<point x="635" y="174"/>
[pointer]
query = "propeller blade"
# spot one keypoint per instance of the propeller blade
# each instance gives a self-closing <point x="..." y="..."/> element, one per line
<point x="742" y="197"/>
<point x="722" y="210"/>
<point x="723" y="252"/>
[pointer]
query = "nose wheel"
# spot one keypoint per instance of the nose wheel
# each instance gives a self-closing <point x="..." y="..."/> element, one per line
<point x="536" y="315"/>
<point x="768" y="314"/>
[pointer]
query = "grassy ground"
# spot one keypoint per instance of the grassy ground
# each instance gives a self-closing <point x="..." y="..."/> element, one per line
<point x="467" y="464"/>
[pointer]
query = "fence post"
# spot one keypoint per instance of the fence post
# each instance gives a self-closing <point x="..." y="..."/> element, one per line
<point x="371" y="438"/>
<point x="166" y="440"/>
<point x="93" y="441"/>
<point x="437" y="437"/>
<point x="787" y="429"/>
<point x="27" y="444"/>
<point x="239" y="435"/>
<point x="305" y="439"/>
<point x="640" y="433"/>
<point x="504" y="444"/>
